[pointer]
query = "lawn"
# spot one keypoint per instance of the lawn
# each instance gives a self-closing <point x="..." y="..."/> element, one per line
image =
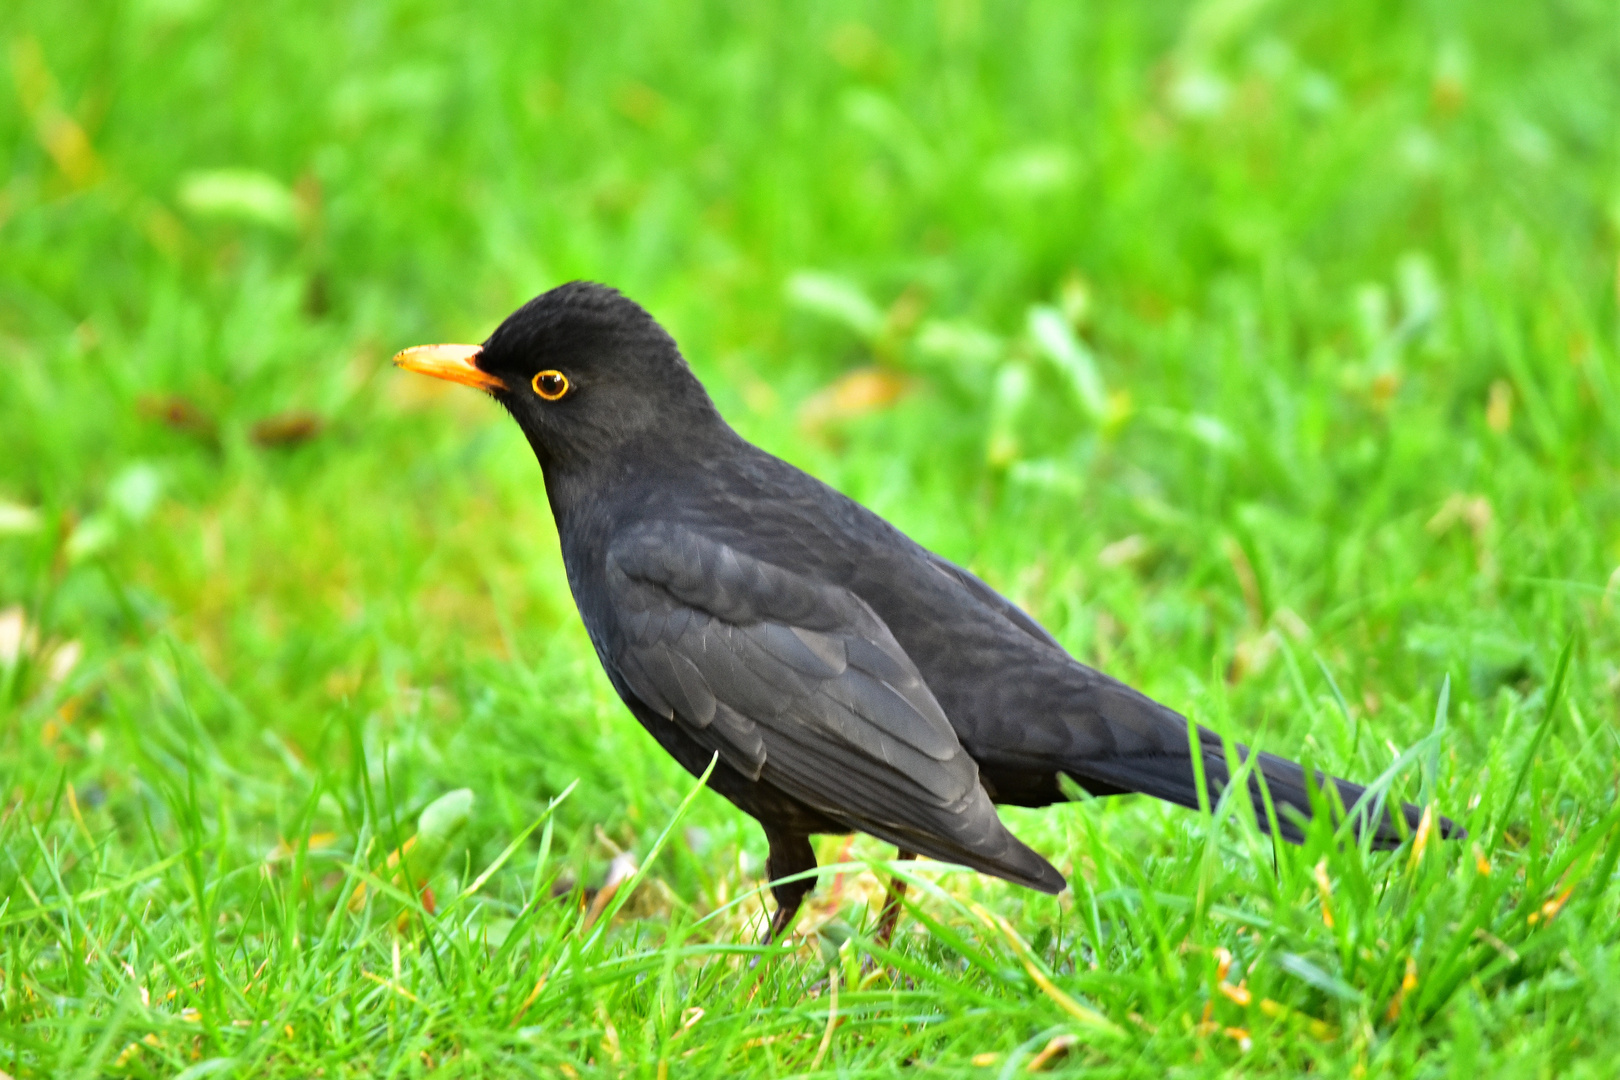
<point x="1266" y="353"/>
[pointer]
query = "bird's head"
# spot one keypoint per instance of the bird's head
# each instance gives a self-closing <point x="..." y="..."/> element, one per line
<point x="583" y="369"/>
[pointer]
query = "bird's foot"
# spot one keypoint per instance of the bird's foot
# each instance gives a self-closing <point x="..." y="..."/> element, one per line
<point x="781" y="924"/>
<point x="892" y="897"/>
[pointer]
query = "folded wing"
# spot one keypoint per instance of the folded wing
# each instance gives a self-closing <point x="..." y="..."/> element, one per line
<point x="798" y="683"/>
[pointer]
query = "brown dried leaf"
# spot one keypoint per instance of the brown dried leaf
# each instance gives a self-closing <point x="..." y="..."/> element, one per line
<point x="288" y="428"/>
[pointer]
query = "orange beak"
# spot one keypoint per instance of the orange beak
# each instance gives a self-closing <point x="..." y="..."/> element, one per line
<point x="458" y="363"/>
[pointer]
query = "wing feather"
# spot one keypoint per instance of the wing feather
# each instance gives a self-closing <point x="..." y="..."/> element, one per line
<point x="799" y="682"/>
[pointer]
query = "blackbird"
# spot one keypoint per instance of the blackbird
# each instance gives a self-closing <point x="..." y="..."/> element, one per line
<point x="848" y="678"/>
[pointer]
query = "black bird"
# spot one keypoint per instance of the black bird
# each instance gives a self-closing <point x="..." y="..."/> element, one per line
<point x="848" y="678"/>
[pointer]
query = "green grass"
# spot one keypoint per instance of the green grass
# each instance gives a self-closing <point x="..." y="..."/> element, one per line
<point x="1266" y="352"/>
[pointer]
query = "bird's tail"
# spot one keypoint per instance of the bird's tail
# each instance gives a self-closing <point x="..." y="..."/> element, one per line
<point x="1169" y="774"/>
<point x="1285" y="781"/>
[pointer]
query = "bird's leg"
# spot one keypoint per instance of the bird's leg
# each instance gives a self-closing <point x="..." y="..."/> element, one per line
<point x="790" y="854"/>
<point x="891" y="903"/>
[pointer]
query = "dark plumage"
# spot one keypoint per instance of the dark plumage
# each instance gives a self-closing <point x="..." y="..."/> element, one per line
<point x="847" y="678"/>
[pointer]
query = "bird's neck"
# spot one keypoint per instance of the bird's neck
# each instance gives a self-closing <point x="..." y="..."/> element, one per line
<point x="591" y="491"/>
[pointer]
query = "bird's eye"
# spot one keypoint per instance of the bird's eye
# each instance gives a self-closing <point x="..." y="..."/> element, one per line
<point x="551" y="384"/>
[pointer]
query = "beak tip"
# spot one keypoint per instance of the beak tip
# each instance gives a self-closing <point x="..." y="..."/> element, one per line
<point x="455" y="363"/>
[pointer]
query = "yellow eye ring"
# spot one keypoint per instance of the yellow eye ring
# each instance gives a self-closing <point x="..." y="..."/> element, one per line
<point x="551" y="384"/>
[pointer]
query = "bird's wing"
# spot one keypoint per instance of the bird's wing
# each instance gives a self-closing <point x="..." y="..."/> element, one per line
<point x="797" y="682"/>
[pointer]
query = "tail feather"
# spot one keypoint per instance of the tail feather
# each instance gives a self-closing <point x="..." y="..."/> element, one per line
<point x="1171" y="777"/>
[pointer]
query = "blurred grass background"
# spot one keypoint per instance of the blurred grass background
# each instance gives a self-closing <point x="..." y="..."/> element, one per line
<point x="1265" y="352"/>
